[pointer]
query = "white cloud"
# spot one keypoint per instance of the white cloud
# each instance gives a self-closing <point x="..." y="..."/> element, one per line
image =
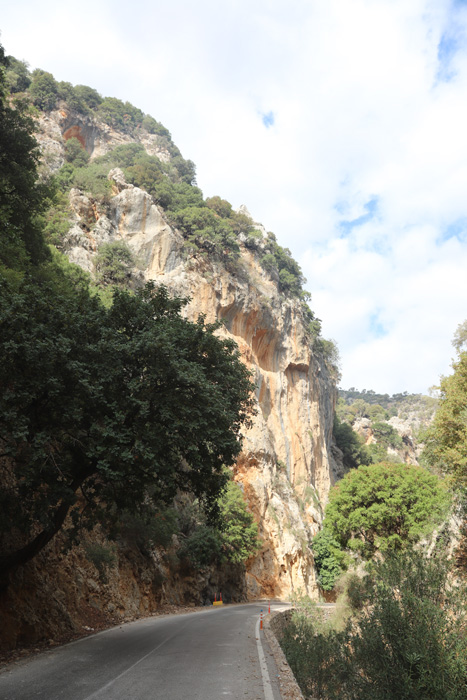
<point x="363" y="111"/>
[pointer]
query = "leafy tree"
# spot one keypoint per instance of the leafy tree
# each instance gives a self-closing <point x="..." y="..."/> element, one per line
<point x="22" y="198"/>
<point x="43" y="90"/>
<point x="384" y="507"/>
<point x="113" y="263"/>
<point x="446" y="439"/>
<point x="234" y="538"/>
<point x="17" y="76"/>
<point x="386" y="434"/>
<point x="118" y="405"/>
<point x="460" y="336"/>
<point x="88" y="96"/>
<point x="75" y="153"/>
<point x="239" y="531"/>
<point x="329" y="558"/>
<point x="351" y="444"/>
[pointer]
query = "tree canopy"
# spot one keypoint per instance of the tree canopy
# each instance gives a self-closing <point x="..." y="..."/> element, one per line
<point x="109" y="406"/>
<point x="384" y="506"/>
<point x="446" y="439"/>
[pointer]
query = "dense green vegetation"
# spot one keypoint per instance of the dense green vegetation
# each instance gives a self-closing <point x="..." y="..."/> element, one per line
<point x="384" y="506"/>
<point x="211" y="227"/>
<point x="446" y="439"/>
<point x="104" y="410"/>
<point x="375" y="509"/>
<point x="234" y="539"/>
<point x="405" y="639"/>
<point x="368" y="404"/>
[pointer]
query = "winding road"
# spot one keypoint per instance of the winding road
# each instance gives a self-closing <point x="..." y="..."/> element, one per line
<point x="208" y="655"/>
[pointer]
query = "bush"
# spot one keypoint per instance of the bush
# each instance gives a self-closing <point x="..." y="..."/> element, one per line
<point x="75" y="153"/>
<point x="203" y="547"/>
<point x="354" y="451"/>
<point x="408" y="641"/>
<point x="113" y="263"/>
<point x="330" y="560"/>
<point x="43" y="90"/>
<point x="102" y="557"/>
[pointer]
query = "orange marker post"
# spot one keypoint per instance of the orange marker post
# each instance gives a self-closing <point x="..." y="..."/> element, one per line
<point x="261" y="620"/>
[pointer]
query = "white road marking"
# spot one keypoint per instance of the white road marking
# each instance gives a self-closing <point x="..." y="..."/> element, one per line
<point x="96" y="693"/>
<point x="268" y="695"/>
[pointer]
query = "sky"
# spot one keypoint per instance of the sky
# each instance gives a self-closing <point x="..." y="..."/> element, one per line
<point x="340" y="124"/>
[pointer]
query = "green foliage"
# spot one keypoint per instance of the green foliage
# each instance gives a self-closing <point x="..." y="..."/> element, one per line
<point x="56" y="219"/>
<point x="203" y="547"/>
<point x="151" y="526"/>
<point x="43" y="90"/>
<point x="113" y="263"/>
<point x="279" y="260"/>
<point x="234" y="538"/>
<point x="446" y="439"/>
<point x="407" y="640"/>
<point x="386" y="435"/>
<point x="102" y="556"/>
<point x="75" y="153"/>
<point x="329" y="558"/>
<point x="17" y="75"/>
<point x="239" y="531"/>
<point x="353" y="449"/>
<point x="120" y="115"/>
<point x="204" y="229"/>
<point x="22" y="198"/>
<point x="92" y="178"/>
<point x="384" y="506"/>
<point x="113" y="401"/>
<point x="366" y="402"/>
<point x="460" y="337"/>
<point x="87" y="96"/>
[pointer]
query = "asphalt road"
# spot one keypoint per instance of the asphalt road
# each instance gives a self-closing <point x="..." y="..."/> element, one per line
<point x="209" y="655"/>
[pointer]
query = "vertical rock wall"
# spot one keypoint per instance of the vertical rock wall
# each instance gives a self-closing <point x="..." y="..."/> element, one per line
<point x="285" y="464"/>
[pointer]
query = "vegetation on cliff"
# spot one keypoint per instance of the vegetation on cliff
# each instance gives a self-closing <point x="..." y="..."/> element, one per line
<point x="102" y="409"/>
<point x="211" y="228"/>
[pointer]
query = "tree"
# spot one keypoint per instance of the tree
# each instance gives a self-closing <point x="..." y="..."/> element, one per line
<point x="329" y="558"/>
<point x="384" y="506"/>
<point x="22" y="198"/>
<point x="446" y="439"/>
<point x="107" y="408"/>
<point x="407" y="639"/>
<point x="239" y="530"/>
<point x="75" y="153"/>
<point x="353" y="450"/>
<point x="43" y="90"/>
<point x="114" y="262"/>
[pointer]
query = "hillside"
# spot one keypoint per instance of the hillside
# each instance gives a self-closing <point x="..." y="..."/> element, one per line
<point x="126" y="211"/>
<point x="389" y="427"/>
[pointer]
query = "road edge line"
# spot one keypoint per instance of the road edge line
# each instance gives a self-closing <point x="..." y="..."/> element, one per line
<point x="268" y="694"/>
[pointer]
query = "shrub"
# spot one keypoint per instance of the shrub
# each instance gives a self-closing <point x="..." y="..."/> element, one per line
<point x="329" y="558"/>
<point x="113" y="263"/>
<point x="102" y="557"/>
<point x="75" y="153"/>
<point x="43" y="90"/>
<point x="407" y="642"/>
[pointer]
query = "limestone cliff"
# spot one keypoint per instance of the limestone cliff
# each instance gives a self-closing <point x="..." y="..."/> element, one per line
<point x="285" y="466"/>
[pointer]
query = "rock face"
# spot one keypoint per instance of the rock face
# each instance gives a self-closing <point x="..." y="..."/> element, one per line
<point x="286" y="465"/>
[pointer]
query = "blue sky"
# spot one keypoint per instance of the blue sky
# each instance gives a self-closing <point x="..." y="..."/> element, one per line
<point x="340" y="124"/>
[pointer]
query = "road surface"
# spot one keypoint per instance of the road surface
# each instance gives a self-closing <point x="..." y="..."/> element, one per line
<point x="208" y="655"/>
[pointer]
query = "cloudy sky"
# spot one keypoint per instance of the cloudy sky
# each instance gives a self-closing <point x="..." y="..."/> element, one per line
<point x="341" y="124"/>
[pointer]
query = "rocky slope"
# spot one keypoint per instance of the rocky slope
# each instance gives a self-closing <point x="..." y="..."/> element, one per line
<point x="286" y="464"/>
